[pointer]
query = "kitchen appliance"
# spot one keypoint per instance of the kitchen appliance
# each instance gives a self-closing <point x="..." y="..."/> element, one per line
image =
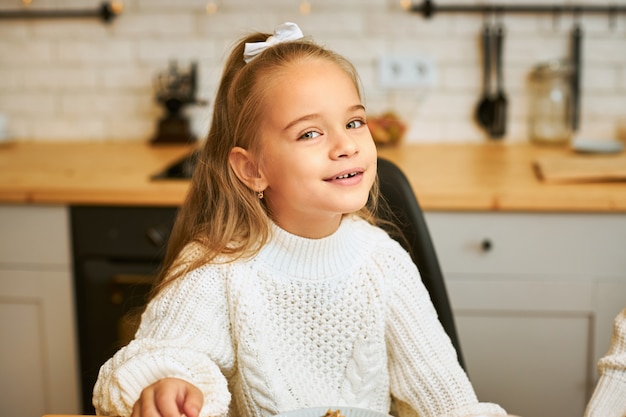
<point x="180" y="169"/>
<point x="117" y="253"/>
<point x="176" y="89"/>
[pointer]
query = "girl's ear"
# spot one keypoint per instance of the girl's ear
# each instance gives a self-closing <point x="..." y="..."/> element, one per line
<point x="246" y="170"/>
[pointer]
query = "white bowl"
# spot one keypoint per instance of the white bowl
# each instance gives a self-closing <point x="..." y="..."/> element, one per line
<point x="320" y="411"/>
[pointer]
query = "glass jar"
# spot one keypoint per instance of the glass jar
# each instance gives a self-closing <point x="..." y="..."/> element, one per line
<point x="551" y="103"/>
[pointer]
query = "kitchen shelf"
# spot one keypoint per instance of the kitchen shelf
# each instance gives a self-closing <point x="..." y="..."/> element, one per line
<point x="106" y="12"/>
<point x="428" y="8"/>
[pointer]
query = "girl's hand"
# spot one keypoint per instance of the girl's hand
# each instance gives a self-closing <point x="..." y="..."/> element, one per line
<point x="169" y="397"/>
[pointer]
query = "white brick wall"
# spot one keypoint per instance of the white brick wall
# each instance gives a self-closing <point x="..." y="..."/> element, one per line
<point x="83" y="80"/>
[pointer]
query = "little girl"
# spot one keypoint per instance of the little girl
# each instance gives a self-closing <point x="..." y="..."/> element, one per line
<point x="278" y="291"/>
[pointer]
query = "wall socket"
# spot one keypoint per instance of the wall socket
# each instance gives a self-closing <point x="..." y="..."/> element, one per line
<point x="406" y="71"/>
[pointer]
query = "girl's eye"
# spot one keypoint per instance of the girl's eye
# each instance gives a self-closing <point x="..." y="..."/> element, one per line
<point x="309" y="135"/>
<point x="354" y="124"/>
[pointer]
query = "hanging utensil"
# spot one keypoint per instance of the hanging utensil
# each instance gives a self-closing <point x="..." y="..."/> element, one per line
<point x="498" y="126"/>
<point x="484" y="110"/>
<point x="577" y="34"/>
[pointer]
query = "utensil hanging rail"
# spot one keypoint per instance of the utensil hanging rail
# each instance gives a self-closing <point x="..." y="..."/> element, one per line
<point x="106" y="12"/>
<point x="428" y="8"/>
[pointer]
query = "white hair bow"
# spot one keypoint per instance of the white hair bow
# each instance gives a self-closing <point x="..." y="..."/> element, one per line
<point x="286" y="32"/>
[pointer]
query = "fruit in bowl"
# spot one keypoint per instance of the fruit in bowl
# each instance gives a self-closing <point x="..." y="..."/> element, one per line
<point x="387" y="128"/>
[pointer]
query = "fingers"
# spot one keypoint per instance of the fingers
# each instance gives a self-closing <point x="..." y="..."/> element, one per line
<point x="169" y="397"/>
<point x="193" y="402"/>
<point x="146" y="405"/>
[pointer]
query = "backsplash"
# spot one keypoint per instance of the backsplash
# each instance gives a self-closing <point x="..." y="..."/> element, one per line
<point x="84" y="80"/>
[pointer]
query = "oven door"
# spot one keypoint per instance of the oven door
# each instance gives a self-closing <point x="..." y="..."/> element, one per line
<point x="112" y="296"/>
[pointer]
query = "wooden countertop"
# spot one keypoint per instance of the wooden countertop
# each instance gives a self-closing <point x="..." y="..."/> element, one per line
<point x="89" y="173"/>
<point x="498" y="176"/>
<point x="483" y="177"/>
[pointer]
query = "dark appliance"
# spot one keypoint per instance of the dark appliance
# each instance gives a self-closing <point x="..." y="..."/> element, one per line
<point x="181" y="169"/>
<point x="176" y="89"/>
<point x="117" y="253"/>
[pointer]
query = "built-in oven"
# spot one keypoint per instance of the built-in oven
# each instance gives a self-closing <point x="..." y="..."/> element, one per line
<point x="117" y="254"/>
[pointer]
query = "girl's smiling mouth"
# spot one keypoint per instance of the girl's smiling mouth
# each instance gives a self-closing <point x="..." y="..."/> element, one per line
<point x="347" y="177"/>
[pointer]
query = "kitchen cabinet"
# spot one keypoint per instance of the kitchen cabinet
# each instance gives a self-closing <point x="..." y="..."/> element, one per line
<point x="38" y="355"/>
<point x="534" y="296"/>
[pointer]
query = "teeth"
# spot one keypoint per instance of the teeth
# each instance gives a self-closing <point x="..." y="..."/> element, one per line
<point x="352" y="174"/>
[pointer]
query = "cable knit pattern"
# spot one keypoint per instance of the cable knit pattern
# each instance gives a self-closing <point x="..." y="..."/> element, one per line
<point x="343" y="321"/>
<point x="609" y="396"/>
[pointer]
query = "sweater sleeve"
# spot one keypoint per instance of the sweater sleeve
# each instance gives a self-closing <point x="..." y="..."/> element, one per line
<point x="426" y="377"/>
<point x="184" y="333"/>
<point x="609" y="396"/>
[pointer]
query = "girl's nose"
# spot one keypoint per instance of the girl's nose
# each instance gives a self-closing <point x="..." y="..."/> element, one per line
<point x="344" y="145"/>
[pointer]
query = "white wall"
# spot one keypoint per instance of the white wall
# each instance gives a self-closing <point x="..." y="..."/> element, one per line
<point x="83" y="80"/>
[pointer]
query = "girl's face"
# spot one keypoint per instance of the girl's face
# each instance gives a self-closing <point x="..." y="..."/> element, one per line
<point x="318" y="157"/>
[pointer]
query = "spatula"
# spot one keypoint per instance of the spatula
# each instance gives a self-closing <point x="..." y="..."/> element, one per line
<point x="498" y="126"/>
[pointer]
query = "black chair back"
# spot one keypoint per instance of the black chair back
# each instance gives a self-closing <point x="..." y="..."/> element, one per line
<point x="407" y="215"/>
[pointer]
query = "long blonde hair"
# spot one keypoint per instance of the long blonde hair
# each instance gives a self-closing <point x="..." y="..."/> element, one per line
<point x="220" y="213"/>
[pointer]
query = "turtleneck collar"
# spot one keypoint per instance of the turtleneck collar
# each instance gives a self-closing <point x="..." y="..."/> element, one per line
<point x="316" y="259"/>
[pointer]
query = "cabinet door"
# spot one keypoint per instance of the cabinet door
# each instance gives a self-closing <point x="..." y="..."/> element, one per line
<point x="526" y="343"/>
<point x="38" y="354"/>
<point x="37" y="347"/>
<point x="534" y="296"/>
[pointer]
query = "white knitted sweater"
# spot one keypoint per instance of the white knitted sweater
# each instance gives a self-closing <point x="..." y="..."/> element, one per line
<point x="338" y="321"/>
<point x="609" y="396"/>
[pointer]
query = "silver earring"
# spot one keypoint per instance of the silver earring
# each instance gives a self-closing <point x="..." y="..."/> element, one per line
<point x="260" y="195"/>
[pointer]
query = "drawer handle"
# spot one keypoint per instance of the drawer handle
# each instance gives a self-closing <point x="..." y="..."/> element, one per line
<point x="157" y="236"/>
<point x="133" y="279"/>
<point x="486" y="245"/>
